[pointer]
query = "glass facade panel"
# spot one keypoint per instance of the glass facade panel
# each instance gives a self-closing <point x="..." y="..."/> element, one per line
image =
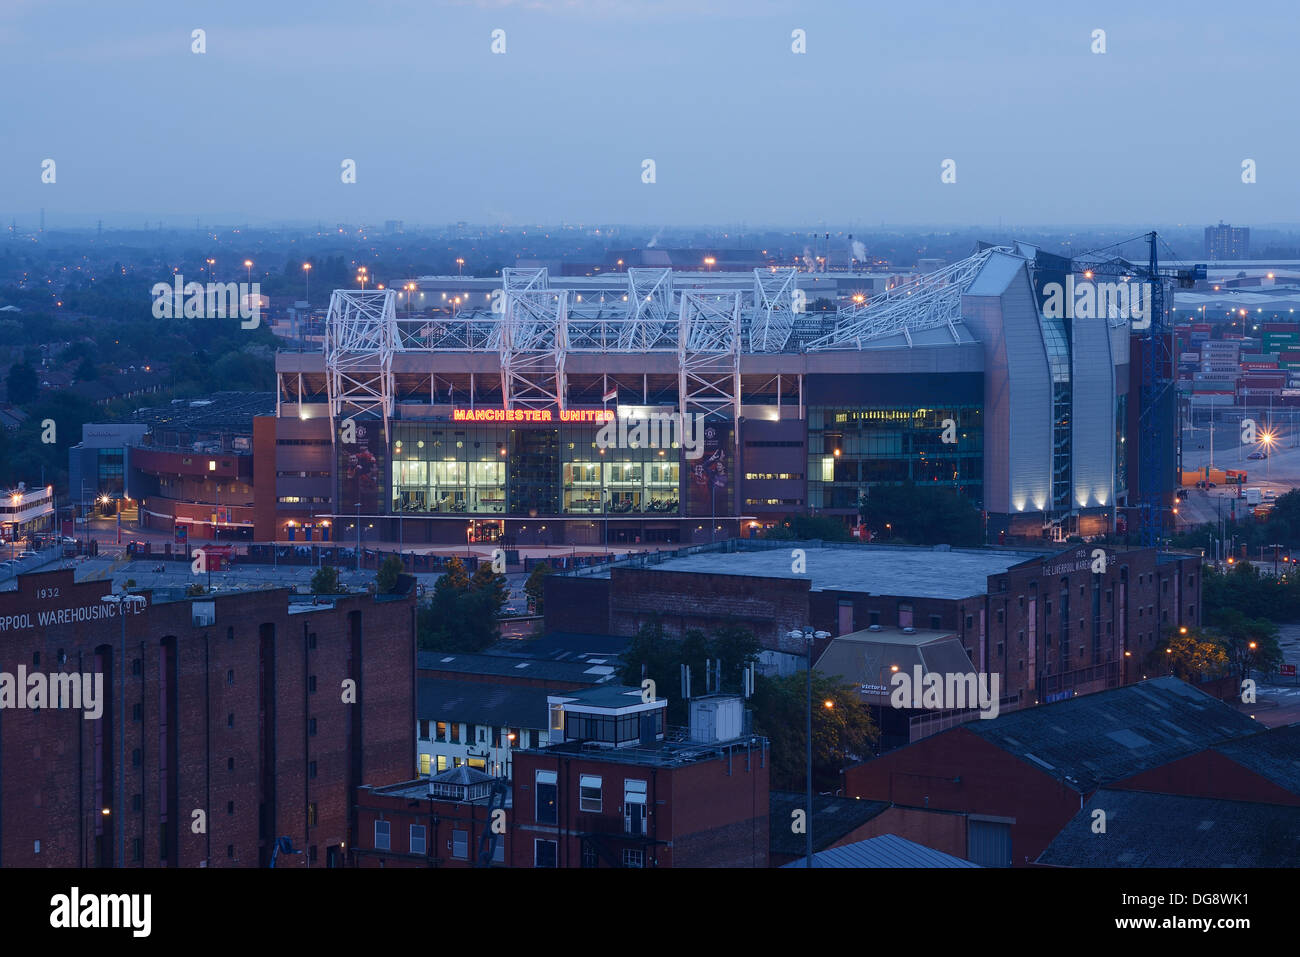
<point x="851" y="449"/>
<point x="489" y="470"/>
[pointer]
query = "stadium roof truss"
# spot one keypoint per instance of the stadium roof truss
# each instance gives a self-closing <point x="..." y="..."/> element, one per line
<point x="930" y="301"/>
<point x="776" y="299"/>
<point x="360" y="331"/>
<point x="532" y="328"/>
<point x="533" y="340"/>
<point x="708" y="353"/>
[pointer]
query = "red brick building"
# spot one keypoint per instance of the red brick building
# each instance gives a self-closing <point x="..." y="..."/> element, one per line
<point x="1046" y="621"/>
<point x="1021" y="777"/>
<point x="610" y="797"/>
<point x="431" y="822"/>
<point x="240" y="726"/>
<point x="1263" y="767"/>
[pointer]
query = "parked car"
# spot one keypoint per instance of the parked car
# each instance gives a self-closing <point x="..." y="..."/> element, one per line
<point x="28" y="554"/>
<point x="1257" y="455"/>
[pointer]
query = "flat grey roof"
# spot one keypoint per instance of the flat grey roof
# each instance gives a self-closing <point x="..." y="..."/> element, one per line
<point x="880" y="569"/>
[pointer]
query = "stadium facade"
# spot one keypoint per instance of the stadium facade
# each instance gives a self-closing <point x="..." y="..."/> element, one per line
<point x="479" y="420"/>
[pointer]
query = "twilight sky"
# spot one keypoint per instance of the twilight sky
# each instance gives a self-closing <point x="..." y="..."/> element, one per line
<point x="741" y="129"/>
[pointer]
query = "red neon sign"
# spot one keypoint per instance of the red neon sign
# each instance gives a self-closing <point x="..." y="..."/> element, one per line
<point x="530" y="415"/>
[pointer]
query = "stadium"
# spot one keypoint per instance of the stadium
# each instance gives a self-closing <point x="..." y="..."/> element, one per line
<point x="478" y="420"/>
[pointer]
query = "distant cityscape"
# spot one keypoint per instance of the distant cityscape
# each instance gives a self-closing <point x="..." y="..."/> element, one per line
<point x="380" y="562"/>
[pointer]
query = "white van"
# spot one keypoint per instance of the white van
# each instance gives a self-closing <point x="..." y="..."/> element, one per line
<point x="1253" y="496"/>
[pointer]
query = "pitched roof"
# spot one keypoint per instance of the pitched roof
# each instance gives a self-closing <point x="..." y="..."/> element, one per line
<point x="478" y="702"/>
<point x="886" y="850"/>
<point x="1144" y="829"/>
<point x="463" y="775"/>
<point x="1097" y="738"/>
<point x="1272" y="754"/>
<point x="870" y="658"/>
<point x="590" y="671"/>
<point x="832" y="819"/>
<point x="563" y="646"/>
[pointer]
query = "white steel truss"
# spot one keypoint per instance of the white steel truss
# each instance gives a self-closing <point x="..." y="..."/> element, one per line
<point x="360" y="333"/>
<point x="774" y="309"/>
<point x="708" y="353"/>
<point x="930" y="301"/>
<point x="650" y="311"/>
<point x="533" y="342"/>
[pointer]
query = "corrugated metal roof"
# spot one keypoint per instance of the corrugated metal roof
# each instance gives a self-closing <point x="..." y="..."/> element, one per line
<point x="887" y="850"/>
<point x="1145" y="829"/>
<point x="477" y="702"/>
<point x="1273" y="754"/>
<point x="1097" y="738"/>
<point x="832" y="819"/>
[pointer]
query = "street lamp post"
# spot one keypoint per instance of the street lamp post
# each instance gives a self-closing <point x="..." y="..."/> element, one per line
<point x="808" y="636"/>
<point x="120" y="602"/>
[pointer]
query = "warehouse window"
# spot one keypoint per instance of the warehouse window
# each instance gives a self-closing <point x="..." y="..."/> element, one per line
<point x="460" y="845"/>
<point x="546" y="797"/>
<point x="424" y="764"/>
<point x="417" y="838"/>
<point x="544" y="854"/>
<point x="590" y="793"/>
<point x="382" y="829"/>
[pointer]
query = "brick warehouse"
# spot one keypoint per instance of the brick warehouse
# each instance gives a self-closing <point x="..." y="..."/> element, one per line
<point x="234" y="707"/>
<point x="1019" y="778"/>
<point x="1043" y="620"/>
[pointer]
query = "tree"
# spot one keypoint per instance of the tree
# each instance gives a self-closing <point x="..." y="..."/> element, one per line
<point x="842" y="733"/>
<point x="535" y="587"/>
<point x="326" y="581"/>
<point x="21" y="383"/>
<point x="386" y="581"/>
<point x="492" y="586"/>
<point x="1190" y="655"/>
<point x="463" y="612"/>
<point x="86" y="370"/>
<point x="808" y="528"/>
<point x="921" y="515"/>
<point x="1249" y="643"/>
